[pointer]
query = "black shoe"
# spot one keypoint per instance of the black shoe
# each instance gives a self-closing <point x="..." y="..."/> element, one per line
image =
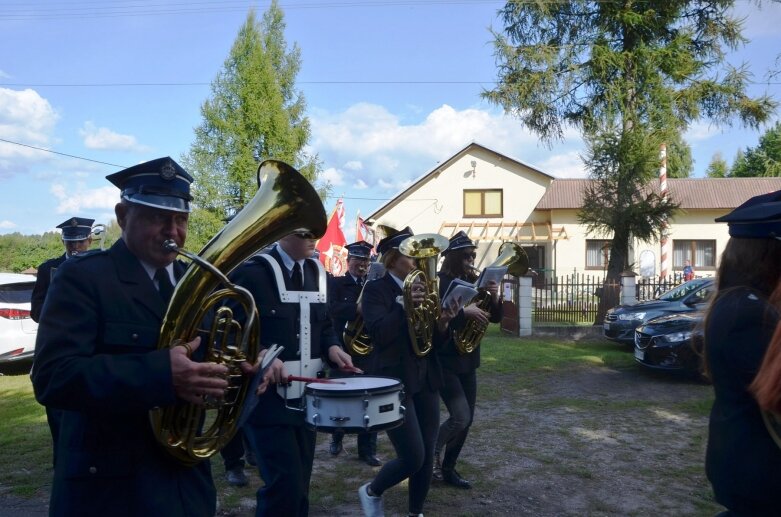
<point x="437" y="473"/>
<point x="336" y="446"/>
<point x="370" y="459"/>
<point x="236" y="477"/>
<point x="451" y="477"/>
<point x="249" y="457"/>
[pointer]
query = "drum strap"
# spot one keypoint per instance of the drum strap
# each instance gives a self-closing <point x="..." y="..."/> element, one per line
<point x="306" y="366"/>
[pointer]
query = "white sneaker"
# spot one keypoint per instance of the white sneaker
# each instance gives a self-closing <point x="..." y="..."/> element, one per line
<point x="371" y="505"/>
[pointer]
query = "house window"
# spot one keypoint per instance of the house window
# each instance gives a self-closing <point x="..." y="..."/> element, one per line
<point x="483" y="203"/>
<point x="701" y="254"/>
<point x="597" y="253"/>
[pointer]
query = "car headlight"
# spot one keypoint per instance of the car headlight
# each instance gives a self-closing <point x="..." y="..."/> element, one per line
<point x="676" y="337"/>
<point x="632" y="316"/>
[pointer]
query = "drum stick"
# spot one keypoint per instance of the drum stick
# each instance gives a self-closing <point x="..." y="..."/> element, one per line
<point x="291" y="378"/>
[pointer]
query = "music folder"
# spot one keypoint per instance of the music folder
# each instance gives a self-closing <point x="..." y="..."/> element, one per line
<point x="251" y="400"/>
<point x="460" y="292"/>
<point x="491" y="273"/>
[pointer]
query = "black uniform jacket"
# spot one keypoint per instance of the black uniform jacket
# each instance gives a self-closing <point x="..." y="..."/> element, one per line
<point x="96" y="357"/>
<point x="449" y="356"/>
<point x="742" y="462"/>
<point x="42" y="282"/>
<point x="393" y="355"/>
<point x="343" y="293"/>
<point x="280" y="325"/>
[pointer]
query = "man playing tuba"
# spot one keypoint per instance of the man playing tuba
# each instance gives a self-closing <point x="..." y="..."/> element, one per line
<point x="96" y="357"/>
<point x="343" y="294"/>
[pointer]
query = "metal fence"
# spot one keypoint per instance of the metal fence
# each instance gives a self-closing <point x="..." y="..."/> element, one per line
<point x="573" y="299"/>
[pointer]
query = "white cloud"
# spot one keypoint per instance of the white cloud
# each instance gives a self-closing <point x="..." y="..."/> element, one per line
<point x="565" y="165"/>
<point x="392" y="153"/>
<point x="78" y="198"/>
<point x="27" y="118"/>
<point x="360" y="184"/>
<point x="353" y="165"/>
<point x="105" y="139"/>
<point x="7" y="225"/>
<point x="334" y="176"/>
<point x="701" y="130"/>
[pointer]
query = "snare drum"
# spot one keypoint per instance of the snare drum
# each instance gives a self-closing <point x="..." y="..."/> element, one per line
<point x="360" y="404"/>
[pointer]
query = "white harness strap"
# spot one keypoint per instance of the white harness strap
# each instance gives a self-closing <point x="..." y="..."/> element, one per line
<point x="305" y="366"/>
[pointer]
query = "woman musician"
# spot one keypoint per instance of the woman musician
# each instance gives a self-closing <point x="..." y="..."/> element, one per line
<point x="459" y="370"/>
<point x="742" y="461"/>
<point x="393" y="355"/>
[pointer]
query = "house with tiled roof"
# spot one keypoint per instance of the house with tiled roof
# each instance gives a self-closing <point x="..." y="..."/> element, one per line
<point x="496" y="198"/>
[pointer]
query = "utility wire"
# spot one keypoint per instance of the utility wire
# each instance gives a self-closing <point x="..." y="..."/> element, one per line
<point x="62" y="154"/>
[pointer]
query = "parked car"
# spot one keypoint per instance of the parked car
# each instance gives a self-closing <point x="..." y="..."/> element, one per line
<point x="17" y="329"/>
<point x="621" y="321"/>
<point x="671" y="342"/>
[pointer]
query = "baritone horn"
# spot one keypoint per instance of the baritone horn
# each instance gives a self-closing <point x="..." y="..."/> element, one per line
<point x="421" y="320"/>
<point x="284" y="203"/>
<point x="515" y="259"/>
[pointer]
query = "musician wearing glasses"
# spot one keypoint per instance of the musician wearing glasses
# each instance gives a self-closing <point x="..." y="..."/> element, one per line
<point x="343" y="294"/>
<point x="287" y="285"/>
<point x="459" y="369"/>
<point x="394" y="356"/>
<point x="742" y="460"/>
<point x="97" y="358"/>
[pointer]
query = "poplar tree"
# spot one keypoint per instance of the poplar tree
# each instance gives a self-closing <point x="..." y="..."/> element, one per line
<point x="629" y="75"/>
<point x="255" y="112"/>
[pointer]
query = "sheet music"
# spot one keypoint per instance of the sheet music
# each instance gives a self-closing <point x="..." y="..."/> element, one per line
<point x="459" y="289"/>
<point x="491" y="273"/>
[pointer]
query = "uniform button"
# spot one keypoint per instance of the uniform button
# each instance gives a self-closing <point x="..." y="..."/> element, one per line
<point x="298" y="353"/>
<point x="273" y="311"/>
<point x="93" y="470"/>
<point x="134" y="337"/>
<point x="298" y="336"/>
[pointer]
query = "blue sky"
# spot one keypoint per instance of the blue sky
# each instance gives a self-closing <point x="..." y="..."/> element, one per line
<point x="392" y="88"/>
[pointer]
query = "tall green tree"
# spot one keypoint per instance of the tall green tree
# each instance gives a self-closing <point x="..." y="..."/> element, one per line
<point x="762" y="160"/>
<point x="718" y="167"/>
<point x="629" y="75"/>
<point x="255" y="112"/>
<point x="680" y="163"/>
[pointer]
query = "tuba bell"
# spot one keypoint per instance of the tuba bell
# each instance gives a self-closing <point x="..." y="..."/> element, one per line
<point x="356" y="339"/>
<point x="284" y="203"/>
<point x="514" y="258"/>
<point x="421" y="320"/>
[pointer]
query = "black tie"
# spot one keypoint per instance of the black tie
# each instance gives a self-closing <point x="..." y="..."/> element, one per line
<point x="165" y="286"/>
<point x="297" y="279"/>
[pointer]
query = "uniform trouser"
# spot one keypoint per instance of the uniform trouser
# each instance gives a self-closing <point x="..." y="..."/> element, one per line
<point x="414" y="442"/>
<point x="367" y="442"/>
<point x="54" y="417"/>
<point x="233" y="453"/>
<point x="459" y="392"/>
<point x="285" y="454"/>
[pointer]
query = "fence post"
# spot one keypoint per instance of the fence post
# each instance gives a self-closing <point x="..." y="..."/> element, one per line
<point x="525" y="305"/>
<point x="628" y="288"/>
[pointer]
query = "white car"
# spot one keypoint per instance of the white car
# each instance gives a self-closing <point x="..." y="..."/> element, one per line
<point x="17" y="329"/>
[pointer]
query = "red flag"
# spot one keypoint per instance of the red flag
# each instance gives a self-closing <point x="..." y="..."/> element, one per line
<point x="363" y="232"/>
<point x="333" y="254"/>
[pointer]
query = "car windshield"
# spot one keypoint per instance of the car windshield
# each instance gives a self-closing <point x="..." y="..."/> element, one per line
<point x="16" y="293"/>
<point x="682" y="290"/>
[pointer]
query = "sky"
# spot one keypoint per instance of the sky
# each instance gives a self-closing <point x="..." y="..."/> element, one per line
<point x="392" y="89"/>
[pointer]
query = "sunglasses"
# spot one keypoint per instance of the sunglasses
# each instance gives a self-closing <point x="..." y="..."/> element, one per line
<point x="305" y="235"/>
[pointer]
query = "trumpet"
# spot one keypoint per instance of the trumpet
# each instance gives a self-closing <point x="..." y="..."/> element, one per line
<point x="421" y="320"/>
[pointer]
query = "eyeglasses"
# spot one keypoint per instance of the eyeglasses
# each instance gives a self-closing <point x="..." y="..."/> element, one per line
<point x="305" y="235"/>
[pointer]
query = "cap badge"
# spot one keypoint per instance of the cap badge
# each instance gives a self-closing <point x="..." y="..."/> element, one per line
<point x="74" y="222"/>
<point x="168" y="171"/>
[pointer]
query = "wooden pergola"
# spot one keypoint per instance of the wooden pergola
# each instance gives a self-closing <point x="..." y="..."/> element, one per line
<point x="517" y="231"/>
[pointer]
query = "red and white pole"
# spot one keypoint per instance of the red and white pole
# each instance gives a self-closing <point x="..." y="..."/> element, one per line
<point x="665" y="242"/>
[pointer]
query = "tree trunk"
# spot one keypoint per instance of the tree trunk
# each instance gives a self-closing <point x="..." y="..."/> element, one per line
<point x="611" y="288"/>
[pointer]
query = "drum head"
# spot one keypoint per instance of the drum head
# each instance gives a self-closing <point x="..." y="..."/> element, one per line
<point x="354" y="385"/>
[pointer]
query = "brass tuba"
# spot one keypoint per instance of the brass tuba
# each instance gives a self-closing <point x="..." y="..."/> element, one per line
<point x="425" y="249"/>
<point x="284" y="203"/>
<point x="514" y="258"/>
<point x="356" y="339"/>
